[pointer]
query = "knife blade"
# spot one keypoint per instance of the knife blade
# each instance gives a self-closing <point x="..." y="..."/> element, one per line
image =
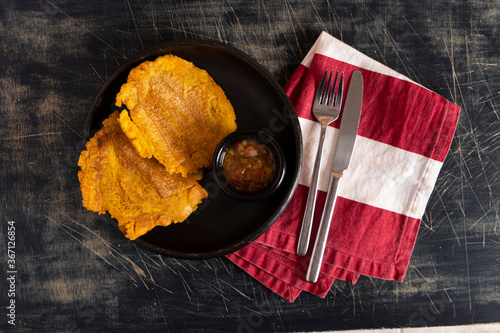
<point x="341" y="159"/>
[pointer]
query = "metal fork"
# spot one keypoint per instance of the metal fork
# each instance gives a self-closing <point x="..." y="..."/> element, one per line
<point x="326" y="109"/>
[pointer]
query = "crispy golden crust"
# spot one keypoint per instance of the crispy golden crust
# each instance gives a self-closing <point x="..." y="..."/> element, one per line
<point x="139" y="193"/>
<point x="176" y="113"/>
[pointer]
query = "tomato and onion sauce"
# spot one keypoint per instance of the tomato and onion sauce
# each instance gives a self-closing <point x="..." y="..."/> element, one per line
<point x="248" y="165"/>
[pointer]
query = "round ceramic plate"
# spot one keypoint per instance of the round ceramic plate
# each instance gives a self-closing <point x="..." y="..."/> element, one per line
<point x="221" y="224"/>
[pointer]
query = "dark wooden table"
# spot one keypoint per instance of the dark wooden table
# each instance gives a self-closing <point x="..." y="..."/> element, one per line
<point x="74" y="272"/>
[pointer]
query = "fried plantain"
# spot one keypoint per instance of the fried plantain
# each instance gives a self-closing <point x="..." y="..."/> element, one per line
<point x="138" y="192"/>
<point x="176" y="113"/>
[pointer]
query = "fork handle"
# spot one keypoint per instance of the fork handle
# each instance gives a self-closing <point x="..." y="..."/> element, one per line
<point x="324" y="227"/>
<point x="307" y="221"/>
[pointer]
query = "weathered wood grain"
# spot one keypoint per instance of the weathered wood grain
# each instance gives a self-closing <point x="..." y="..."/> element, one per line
<point x="76" y="273"/>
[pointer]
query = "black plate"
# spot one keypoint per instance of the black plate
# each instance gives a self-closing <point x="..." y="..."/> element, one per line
<point x="221" y="224"/>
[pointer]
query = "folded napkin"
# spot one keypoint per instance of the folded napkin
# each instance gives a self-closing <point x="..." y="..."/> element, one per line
<point x="404" y="135"/>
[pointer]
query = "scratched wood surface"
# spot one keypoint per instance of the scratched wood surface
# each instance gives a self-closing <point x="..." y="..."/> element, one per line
<point x="77" y="273"/>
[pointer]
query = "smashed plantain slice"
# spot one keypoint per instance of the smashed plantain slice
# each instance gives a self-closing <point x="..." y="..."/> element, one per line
<point x="176" y="113"/>
<point x="139" y="193"/>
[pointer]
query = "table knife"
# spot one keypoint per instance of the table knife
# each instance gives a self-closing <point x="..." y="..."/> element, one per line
<point x="341" y="160"/>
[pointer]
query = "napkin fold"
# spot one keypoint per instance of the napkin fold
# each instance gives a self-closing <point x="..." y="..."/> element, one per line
<point x="404" y="135"/>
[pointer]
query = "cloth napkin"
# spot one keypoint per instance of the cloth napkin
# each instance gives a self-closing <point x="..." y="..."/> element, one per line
<point x="404" y="135"/>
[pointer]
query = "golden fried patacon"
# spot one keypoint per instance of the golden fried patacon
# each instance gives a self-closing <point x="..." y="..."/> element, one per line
<point x="176" y="113"/>
<point x="138" y="192"/>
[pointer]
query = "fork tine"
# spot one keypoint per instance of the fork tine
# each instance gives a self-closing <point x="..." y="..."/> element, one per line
<point x="332" y="92"/>
<point x="338" y="99"/>
<point x="321" y="87"/>
<point x="326" y="94"/>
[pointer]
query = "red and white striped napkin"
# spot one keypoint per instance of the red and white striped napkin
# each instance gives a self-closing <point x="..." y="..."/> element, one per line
<point x="404" y="135"/>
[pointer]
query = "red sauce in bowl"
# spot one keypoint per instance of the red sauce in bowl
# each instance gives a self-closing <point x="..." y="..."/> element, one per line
<point x="248" y="165"/>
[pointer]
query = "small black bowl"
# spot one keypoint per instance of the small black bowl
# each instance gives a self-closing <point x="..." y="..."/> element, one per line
<point x="279" y="160"/>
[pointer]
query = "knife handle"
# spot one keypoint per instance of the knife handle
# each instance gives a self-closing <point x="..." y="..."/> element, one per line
<point x="324" y="228"/>
<point x="307" y="220"/>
